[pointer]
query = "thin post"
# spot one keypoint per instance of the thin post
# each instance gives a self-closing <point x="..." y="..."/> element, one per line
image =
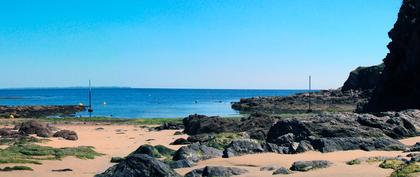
<point x="90" y="110"/>
<point x="309" y="94"/>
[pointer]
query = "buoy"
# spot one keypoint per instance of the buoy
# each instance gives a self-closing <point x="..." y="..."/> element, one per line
<point x="12" y="116"/>
<point x="104" y="103"/>
<point x="80" y="104"/>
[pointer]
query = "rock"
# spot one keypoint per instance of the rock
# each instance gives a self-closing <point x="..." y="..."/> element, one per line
<point x="158" y="151"/>
<point x="139" y="165"/>
<point x="304" y="146"/>
<point x="200" y="124"/>
<point x="241" y="147"/>
<point x="414" y="148"/>
<point x="35" y="127"/>
<point x="180" y="164"/>
<point x="170" y="126"/>
<point x="285" y="140"/>
<point x="269" y="168"/>
<point x="398" y="88"/>
<point x="178" y="133"/>
<point x="325" y="100"/>
<point x="211" y="171"/>
<point x="62" y="170"/>
<point x="196" y="152"/>
<point x="282" y="171"/>
<point x="66" y="134"/>
<point x="180" y="141"/>
<point x="310" y="165"/>
<point x="330" y="132"/>
<point x="116" y="159"/>
<point x="39" y="111"/>
<point x="99" y="128"/>
<point x="363" y="78"/>
<point x="200" y="138"/>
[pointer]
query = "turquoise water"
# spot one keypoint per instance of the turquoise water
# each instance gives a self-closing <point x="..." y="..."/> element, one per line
<point x="139" y="103"/>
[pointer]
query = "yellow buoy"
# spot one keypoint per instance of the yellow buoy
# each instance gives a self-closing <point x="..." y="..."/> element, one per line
<point x="12" y="116"/>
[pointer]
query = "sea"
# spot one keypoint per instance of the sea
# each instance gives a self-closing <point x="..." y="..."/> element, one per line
<point x="139" y="102"/>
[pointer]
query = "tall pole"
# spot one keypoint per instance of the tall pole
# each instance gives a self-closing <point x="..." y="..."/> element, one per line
<point x="90" y="110"/>
<point x="309" y="97"/>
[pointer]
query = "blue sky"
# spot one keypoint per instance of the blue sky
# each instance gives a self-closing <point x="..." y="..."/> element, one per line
<point x="268" y="44"/>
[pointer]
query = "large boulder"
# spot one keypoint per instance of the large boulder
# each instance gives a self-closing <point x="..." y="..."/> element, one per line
<point x="240" y="147"/>
<point x="363" y="78"/>
<point x="198" y="124"/>
<point x="212" y="171"/>
<point x="35" y="127"/>
<point x="139" y="165"/>
<point x="399" y="86"/>
<point x="196" y="152"/>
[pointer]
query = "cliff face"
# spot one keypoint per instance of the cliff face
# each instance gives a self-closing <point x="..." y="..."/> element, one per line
<point x="363" y="78"/>
<point x="399" y="86"/>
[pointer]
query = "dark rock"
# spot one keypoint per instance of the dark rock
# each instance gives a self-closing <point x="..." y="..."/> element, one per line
<point x="140" y="165"/>
<point x="200" y="124"/>
<point x="212" y="171"/>
<point x="414" y="148"/>
<point x="196" y="152"/>
<point x="363" y="78"/>
<point x="200" y="138"/>
<point x="116" y="159"/>
<point x="154" y="151"/>
<point x="62" y="170"/>
<point x="325" y="100"/>
<point x="180" y="141"/>
<point x="66" y="134"/>
<point x="342" y="131"/>
<point x="398" y="88"/>
<point x="180" y="164"/>
<point x="304" y="146"/>
<point x="35" y="127"/>
<point x="178" y="133"/>
<point x="241" y="147"/>
<point x="310" y="165"/>
<point x="170" y="126"/>
<point x="282" y="171"/>
<point x="269" y="168"/>
<point x="39" y="111"/>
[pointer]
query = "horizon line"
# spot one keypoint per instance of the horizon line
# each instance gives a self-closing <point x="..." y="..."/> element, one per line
<point x="169" y="88"/>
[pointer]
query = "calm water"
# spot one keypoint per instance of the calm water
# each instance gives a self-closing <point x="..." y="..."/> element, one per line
<point x="139" y="103"/>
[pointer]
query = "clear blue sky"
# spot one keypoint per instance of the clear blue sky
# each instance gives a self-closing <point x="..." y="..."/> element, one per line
<point x="191" y="43"/>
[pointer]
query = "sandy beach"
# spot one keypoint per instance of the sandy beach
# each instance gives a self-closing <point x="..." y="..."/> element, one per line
<point x="120" y="140"/>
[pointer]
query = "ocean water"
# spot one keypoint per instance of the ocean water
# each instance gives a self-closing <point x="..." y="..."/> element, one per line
<point x="140" y="103"/>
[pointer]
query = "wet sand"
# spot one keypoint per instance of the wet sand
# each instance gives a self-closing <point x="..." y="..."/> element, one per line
<point x="120" y="140"/>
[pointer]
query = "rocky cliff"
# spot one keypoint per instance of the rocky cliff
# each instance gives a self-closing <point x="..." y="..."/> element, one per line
<point x="399" y="86"/>
<point x="363" y="78"/>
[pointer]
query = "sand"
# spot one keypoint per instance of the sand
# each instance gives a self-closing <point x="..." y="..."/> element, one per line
<point x="113" y="143"/>
<point x="109" y="141"/>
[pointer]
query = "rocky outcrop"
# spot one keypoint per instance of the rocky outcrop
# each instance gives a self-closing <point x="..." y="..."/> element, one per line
<point x="399" y="86"/>
<point x="35" y="127"/>
<point x="180" y="141"/>
<point x="282" y="171"/>
<point x="343" y="131"/>
<point x="66" y="134"/>
<point x="363" y="78"/>
<point x="139" y="165"/>
<point x="325" y="100"/>
<point x="38" y="111"/>
<point x="211" y="171"/>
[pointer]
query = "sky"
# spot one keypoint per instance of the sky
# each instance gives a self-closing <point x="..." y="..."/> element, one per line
<point x="237" y="44"/>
